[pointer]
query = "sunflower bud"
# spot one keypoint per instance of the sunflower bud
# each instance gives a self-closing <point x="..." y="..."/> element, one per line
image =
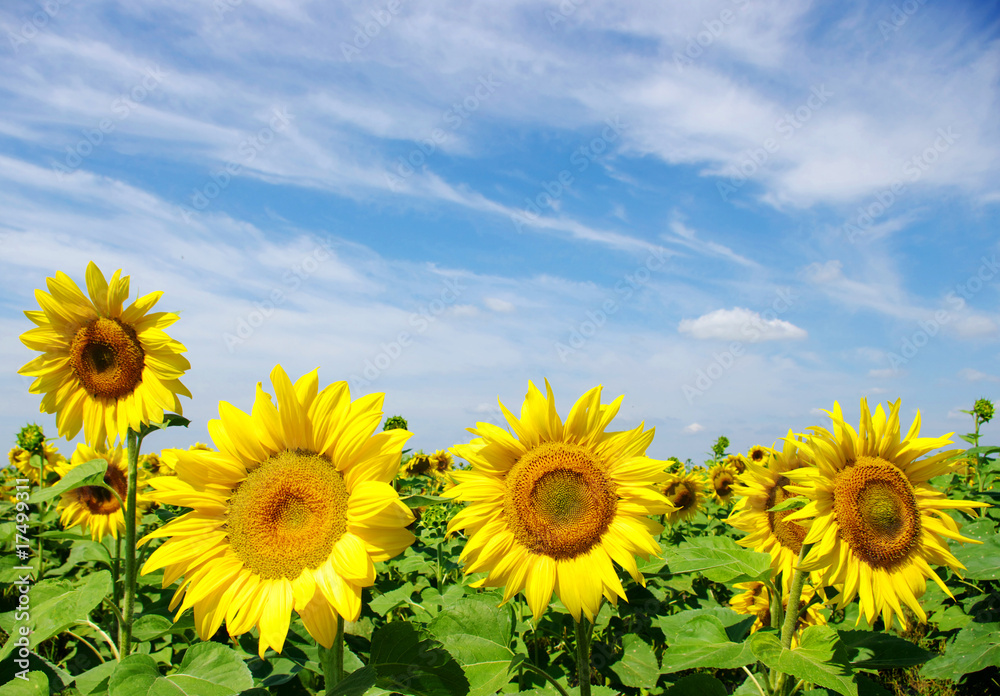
<point x="984" y="410"/>
<point x="31" y="438"/>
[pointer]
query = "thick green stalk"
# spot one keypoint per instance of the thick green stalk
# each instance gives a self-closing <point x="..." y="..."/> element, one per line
<point x="333" y="659"/>
<point x="584" y="630"/>
<point x="128" y="609"/>
<point x="781" y="682"/>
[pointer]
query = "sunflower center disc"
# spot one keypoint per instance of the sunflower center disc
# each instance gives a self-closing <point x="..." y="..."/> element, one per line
<point x="789" y="534"/>
<point x="287" y="515"/>
<point x="723" y="485"/>
<point x="559" y="502"/>
<point x="100" y="501"/>
<point x="682" y="497"/>
<point x="107" y="359"/>
<point x="877" y="512"/>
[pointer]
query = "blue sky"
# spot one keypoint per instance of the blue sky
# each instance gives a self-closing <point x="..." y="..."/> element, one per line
<point x="734" y="213"/>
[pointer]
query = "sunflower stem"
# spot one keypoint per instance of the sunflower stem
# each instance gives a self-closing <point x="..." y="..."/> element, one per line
<point x="333" y="659"/>
<point x="584" y="631"/>
<point x="527" y="664"/>
<point x="128" y="608"/>
<point x="794" y="599"/>
<point x="115" y="574"/>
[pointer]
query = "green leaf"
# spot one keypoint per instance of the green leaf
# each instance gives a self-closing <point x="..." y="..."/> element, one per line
<point x="169" y="419"/>
<point x="134" y="676"/>
<point x="720" y="559"/>
<point x="87" y="474"/>
<point x="950" y="618"/>
<point x="736" y="625"/>
<point x="57" y="605"/>
<point x="208" y="669"/>
<point x="216" y="663"/>
<point x="790" y="504"/>
<point x="981" y="561"/>
<point x="385" y="603"/>
<point x="638" y="666"/>
<point x="703" y="642"/>
<point x="981" y="451"/>
<point x="35" y="684"/>
<point x="150" y="626"/>
<point x="701" y="684"/>
<point x="95" y="679"/>
<point x="355" y="683"/>
<point x="976" y="647"/>
<point x="477" y="634"/>
<point x="406" y="662"/>
<point x="414" y="501"/>
<point x="875" y="650"/>
<point x="820" y="658"/>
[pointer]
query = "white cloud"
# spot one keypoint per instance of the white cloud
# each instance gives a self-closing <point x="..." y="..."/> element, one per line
<point x="972" y="375"/>
<point x="693" y="428"/>
<point x="498" y="305"/>
<point x="883" y="373"/>
<point x="738" y="324"/>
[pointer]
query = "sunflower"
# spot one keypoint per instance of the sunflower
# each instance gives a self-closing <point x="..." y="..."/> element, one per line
<point x="758" y="454"/>
<point x="418" y="465"/>
<point x="762" y="487"/>
<point x="554" y="504"/>
<point x="291" y="513"/>
<point x="722" y="478"/>
<point x="756" y="601"/>
<point x="875" y="522"/>
<point x="96" y="508"/>
<point x="103" y="368"/>
<point x="686" y="492"/>
<point x="441" y="462"/>
<point x="736" y="462"/>
<point x="20" y="460"/>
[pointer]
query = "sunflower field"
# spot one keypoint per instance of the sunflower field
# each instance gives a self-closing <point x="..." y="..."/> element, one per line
<point x="306" y="550"/>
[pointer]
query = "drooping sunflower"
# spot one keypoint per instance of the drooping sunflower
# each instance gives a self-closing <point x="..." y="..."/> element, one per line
<point x="876" y="523"/>
<point x="290" y="514"/>
<point x="758" y="454"/>
<point x="419" y="464"/>
<point x="20" y="459"/>
<point x="441" y="462"/>
<point x="103" y="368"/>
<point x="95" y="508"/>
<point x="722" y="478"/>
<point x="762" y="487"/>
<point x="686" y="492"/>
<point x="555" y="503"/>
<point x="756" y="601"/>
<point x="736" y="462"/>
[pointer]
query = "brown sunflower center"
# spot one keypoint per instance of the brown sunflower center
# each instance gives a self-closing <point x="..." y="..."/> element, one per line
<point x="723" y="484"/>
<point x="101" y="501"/>
<point x="757" y="454"/>
<point x="681" y="495"/>
<point x="287" y="515"/>
<point x="789" y="534"/>
<point x="877" y="512"/>
<point x="107" y="359"/>
<point x="558" y="500"/>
